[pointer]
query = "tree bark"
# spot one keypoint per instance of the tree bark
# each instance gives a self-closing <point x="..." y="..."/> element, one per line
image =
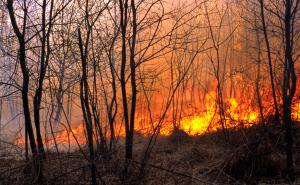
<point x="266" y="37"/>
<point x="84" y="98"/>
<point x="289" y="89"/>
<point x="25" y="85"/>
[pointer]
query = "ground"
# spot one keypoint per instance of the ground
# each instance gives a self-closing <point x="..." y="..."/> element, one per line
<point x="251" y="156"/>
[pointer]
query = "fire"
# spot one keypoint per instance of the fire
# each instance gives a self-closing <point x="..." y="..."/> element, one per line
<point x="208" y="121"/>
<point x="195" y="125"/>
<point x="296" y="111"/>
<point x="68" y="136"/>
<point x="62" y="137"/>
<point x="201" y="122"/>
<point x="244" y="113"/>
<point x="236" y="114"/>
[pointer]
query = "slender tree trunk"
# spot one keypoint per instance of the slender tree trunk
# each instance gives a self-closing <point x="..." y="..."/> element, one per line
<point x="289" y="88"/>
<point x="257" y="83"/>
<point x="123" y="23"/>
<point x="269" y="59"/>
<point x="133" y="78"/>
<point x="25" y="84"/>
<point x="84" y="98"/>
<point x="113" y="104"/>
<point x="44" y="59"/>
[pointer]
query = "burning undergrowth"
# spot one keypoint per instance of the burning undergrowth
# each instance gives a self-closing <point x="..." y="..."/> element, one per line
<point x="197" y="149"/>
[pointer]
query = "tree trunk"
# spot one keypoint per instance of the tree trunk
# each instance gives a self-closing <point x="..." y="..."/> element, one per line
<point x="25" y="85"/>
<point x="289" y="89"/>
<point x="84" y="98"/>
<point x="269" y="59"/>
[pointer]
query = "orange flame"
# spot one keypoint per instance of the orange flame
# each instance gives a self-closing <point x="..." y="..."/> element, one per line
<point x="236" y="114"/>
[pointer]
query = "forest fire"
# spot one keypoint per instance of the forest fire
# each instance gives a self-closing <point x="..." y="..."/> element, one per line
<point x="124" y="84"/>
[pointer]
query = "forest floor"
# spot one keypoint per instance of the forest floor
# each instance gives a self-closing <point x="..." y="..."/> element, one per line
<point x="251" y="156"/>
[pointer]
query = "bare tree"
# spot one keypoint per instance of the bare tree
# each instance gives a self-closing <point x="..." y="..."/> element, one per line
<point x="129" y="115"/>
<point x="266" y="37"/>
<point x="21" y="35"/>
<point x="289" y="80"/>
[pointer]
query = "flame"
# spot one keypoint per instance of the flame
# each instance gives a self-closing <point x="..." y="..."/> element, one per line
<point x="236" y="114"/>
<point x="208" y="121"/>
<point x="199" y="123"/>
<point x="296" y="111"/>
<point x="195" y="125"/>
<point x="73" y="137"/>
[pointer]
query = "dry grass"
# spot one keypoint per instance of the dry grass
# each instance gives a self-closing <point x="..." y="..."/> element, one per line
<point x="250" y="157"/>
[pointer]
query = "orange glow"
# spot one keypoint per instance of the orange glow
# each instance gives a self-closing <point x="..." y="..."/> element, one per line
<point x="65" y="136"/>
<point x="296" y="111"/>
<point x="235" y="114"/>
<point x="205" y="120"/>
